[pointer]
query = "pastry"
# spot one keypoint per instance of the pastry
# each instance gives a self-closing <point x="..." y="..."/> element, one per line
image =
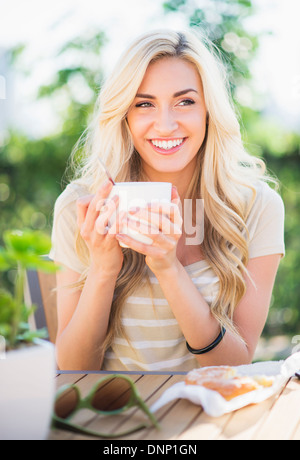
<point x="226" y="381"/>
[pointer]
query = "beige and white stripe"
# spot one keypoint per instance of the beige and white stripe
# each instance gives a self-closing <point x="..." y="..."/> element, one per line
<point x="155" y="340"/>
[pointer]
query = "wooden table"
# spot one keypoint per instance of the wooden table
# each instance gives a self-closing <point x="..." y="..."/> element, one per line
<point x="277" y="418"/>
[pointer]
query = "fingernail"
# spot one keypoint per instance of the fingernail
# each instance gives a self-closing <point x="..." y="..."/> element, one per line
<point x="100" y="204"/>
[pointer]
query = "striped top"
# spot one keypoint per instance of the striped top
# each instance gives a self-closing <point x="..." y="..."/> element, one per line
<point x="156" y="342"/>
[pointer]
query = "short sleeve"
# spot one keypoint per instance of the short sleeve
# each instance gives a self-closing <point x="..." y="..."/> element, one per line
<point x="64" y="230"/>
<point x="266" y="223"/>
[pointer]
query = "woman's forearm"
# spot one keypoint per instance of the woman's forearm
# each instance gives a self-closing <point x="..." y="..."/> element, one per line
<point x="198" y="325"/>
<point x="79" y="347"/>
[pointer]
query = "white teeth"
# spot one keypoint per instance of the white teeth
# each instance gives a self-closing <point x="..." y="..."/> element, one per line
<point x="167" y="145"/>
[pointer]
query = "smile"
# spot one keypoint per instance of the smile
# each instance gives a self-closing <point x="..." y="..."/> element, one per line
<point x="167" y="146"/>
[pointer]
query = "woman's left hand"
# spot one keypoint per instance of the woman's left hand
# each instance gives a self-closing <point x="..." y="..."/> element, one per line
<point x="162" y="222"/>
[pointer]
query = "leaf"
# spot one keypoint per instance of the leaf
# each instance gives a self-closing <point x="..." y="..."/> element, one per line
<point x="246" y="3"/>
<point x="46" y="266"/>
<point x="5" y="260"/>
<point x="5" y="331"/>
<point x="36" y="262"/>
<point x="7" y="307"/>
<point x="34" y="242"/>
<point x="29" y="336"/>
<point x="173" y="5"/>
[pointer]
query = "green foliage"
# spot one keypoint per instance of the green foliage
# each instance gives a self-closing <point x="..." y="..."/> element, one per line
<point x="22" y="250"/>
<point x="32" y="171"/>
<point x="173" y="5"/>
<point x="284" y="314"/>
<point x="222" y="23"/>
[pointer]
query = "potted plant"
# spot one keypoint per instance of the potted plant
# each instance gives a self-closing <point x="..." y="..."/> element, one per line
<point x="27" y="362"/>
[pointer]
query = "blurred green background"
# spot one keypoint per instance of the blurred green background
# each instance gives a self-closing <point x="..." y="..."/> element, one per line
<point x="32" y="168"/>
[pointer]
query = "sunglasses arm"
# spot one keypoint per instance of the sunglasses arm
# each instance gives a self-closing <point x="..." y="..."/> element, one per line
<point x="147" y="411"/>
<point x="58" y="423"/>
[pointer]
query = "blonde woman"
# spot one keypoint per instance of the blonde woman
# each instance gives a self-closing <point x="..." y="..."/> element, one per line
<point x="165" y="115"/>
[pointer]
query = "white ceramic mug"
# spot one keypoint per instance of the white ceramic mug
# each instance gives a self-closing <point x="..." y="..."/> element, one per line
<point x="140" y="194"/>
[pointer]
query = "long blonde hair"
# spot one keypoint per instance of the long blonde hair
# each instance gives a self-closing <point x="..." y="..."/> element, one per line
<point x="225" y="176"/>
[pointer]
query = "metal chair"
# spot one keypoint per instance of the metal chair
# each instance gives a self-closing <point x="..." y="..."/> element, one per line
<point x="40" y="291"/>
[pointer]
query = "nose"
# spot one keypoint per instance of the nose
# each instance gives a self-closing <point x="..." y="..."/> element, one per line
<point x="165" y="122"/>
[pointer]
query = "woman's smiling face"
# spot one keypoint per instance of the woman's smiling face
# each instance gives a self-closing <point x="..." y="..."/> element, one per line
<point x="167" y="119"/>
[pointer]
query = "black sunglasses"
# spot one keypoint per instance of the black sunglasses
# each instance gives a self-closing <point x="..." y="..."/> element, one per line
<point x="111" y="395"/>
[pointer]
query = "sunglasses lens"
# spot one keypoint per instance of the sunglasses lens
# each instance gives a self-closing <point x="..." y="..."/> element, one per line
<point x="114" y="394"/>
<point x="66" y="403"/>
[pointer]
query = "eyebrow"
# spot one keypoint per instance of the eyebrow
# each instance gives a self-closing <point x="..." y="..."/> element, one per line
<point x="177" y="94"/>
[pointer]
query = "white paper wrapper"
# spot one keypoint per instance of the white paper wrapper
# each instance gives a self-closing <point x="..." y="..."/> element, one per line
<point x="215" y="405"/>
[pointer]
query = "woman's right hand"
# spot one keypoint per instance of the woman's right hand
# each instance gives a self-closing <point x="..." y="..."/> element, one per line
<point x="93" y="215"/>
